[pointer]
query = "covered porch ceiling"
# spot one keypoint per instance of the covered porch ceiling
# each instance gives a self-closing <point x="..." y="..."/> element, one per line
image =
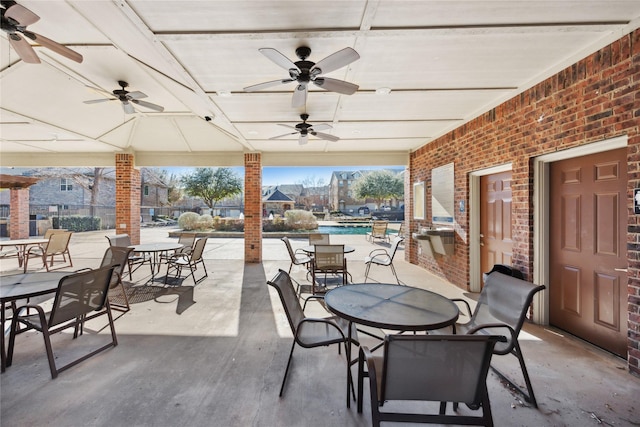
<point x="445" y="63"/>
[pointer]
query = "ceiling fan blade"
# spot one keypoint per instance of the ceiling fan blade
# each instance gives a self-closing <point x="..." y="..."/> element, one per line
<point x="266" y="85"/>
<point x="287" y="126"/>
<point x="336" y="60"/>
<point x="278" y="58"/>
<point x="148" y="105"/>
<point x="303" y="140"/>
<point x="54" y="46"/>
<point x="23" y="49"/>
<point x="321" y="126"/>
<point x="96" y="101"/>
<point x="22" y="15"/>
<point x="128" y="108"/>
<point x="334" y="85"/>
<point x="283" y="135"/>
<point x="299" y="96"/>
<point x="326" y="136"/>
<point x="136" y="94"/>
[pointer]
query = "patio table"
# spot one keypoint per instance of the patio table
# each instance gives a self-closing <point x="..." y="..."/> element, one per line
<point x="389" y="306"/>
<point x="310" y="249"/>
<point x="21" y="286"/>
<point x="155" y="250"/>
<point x="22" y="246"/>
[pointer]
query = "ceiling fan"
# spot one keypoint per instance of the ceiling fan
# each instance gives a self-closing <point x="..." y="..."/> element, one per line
<point x="128" y="99"/>
<point x="305" y="129"/>
<point x="302" y="72"/>
<point x="15" y="19"/>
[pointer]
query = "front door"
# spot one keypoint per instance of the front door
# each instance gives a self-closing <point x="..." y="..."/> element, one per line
<point x="496" y="244"/>
<point x="587" y="240"/>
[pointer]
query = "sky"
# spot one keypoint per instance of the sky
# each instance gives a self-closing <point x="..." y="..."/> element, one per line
<point x="293" y="175"/>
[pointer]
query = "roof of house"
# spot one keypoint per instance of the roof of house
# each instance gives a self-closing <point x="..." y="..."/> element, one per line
<point x="277" y="196"/>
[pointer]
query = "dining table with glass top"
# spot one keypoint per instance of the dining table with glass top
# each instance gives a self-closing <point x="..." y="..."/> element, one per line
<point x="156" y="253"/>
<point x="391" y="307"/>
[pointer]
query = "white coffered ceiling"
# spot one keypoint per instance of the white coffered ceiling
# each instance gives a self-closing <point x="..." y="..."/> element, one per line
<point x="445" y="62"/>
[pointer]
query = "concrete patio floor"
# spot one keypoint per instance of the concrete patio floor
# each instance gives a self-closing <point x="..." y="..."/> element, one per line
<point x="218" y="359"/>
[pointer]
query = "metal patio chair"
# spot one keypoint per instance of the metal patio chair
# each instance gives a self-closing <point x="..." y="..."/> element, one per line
<point x="501" y="310"/>
<point x="57" y="246"/>
<point x="308" y="332"/>
<point x="328" y="259"/>
<point x="383" y="258"/>
<point x="190" y="261"/>
<point x="433" y="368"/>
<point x="378" y="231"/>
<point x="135" y="259"/>
<point x="116" y="256"/>
<point x="80" y="297"/>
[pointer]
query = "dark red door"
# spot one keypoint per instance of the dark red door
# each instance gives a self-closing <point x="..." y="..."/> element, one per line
<point x="587" y="240"/>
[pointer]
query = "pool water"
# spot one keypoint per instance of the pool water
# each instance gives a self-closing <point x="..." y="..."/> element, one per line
<point x="343" y="230"/>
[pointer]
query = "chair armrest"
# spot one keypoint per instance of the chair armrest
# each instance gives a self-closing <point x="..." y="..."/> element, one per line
<point x="328" y="321"/>
<point x="365" y="355"/>
<point x="314" y="297"/>
<point x="511" y="339"/>
<point x="465" y="302"/>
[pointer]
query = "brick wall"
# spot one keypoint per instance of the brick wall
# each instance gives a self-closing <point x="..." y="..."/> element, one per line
<point x="595" y="99"/>
<point x="19" y="223"/>
<point x="252" y="207"/>
<point x="127" y="197"/>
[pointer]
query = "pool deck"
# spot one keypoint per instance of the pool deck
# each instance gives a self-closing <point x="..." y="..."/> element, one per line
<point x="214" y="355"/>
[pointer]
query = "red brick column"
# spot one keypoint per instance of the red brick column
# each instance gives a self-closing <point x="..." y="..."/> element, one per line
<point x="19" y="221"/>
<point x="127" y="197"/>
<point x="252" y="207"/>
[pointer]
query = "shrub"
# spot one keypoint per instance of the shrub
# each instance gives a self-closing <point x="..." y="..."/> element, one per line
<point x="77" y="223"/>
<point x="297" y="219"/>
<point x="188" y="221"/>
<point x="205" y="222"/>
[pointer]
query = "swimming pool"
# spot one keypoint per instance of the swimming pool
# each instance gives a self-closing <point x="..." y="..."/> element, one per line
<point x="343" y="230"/>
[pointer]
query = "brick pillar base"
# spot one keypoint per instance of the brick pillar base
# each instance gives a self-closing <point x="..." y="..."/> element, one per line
<point x="19" y="220"/>
<point x="252" y="207"/>
<point x="127" y="197"/>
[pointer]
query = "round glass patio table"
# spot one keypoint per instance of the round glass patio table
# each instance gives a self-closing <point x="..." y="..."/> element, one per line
<point x="310" y="249"/>
<point x="389" y="306"/>
<point x="155" y="250"/>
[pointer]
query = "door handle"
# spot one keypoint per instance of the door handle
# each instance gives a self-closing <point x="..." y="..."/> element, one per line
<point x="621" y="270"/>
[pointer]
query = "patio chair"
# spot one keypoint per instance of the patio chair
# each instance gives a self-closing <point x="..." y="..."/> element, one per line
<point x="383" y="258"/>
<point x="309" y="332"/>
<point x="318" y="239"/>
<point x="191" y="261"/>
<point x="328" y="259"/>
<point x="117" y="257"/>
<point x="378" y="231"/>
<point x="431" y="368"/>
<point x="80" y="297"/>
<point x="501" y="310"/>
<point x="57" y="246"/>
<point x="51" y="231"/>
<point x="135" y="259"/>
<point x="298" y="257"/>
<point x="186" y="240"/>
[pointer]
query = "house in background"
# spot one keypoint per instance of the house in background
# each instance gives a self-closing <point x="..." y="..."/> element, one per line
<point x="276" y="202"/>
<point x="341" y="197"/>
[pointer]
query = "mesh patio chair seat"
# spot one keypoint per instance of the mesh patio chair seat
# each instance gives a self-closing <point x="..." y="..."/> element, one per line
<point x="80" y="297"/>
<point x="328" y="259"/>
<point x="319" y="239"/>
<point x="186" y="240"/>
<point x="378" y="231"/>
<point x="116" y="256"/>
<point x="308" y="332"/>
<point x="431" y="368"/>
<point x="135" y="259"/>
<point x="57" y="246"/>
<point x="384" y="258"/>
<point x="190" y="261"/>
<point x="501" y="310"/>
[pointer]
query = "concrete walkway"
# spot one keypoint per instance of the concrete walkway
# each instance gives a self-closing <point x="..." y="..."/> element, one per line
<point x="218" y="359"/>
